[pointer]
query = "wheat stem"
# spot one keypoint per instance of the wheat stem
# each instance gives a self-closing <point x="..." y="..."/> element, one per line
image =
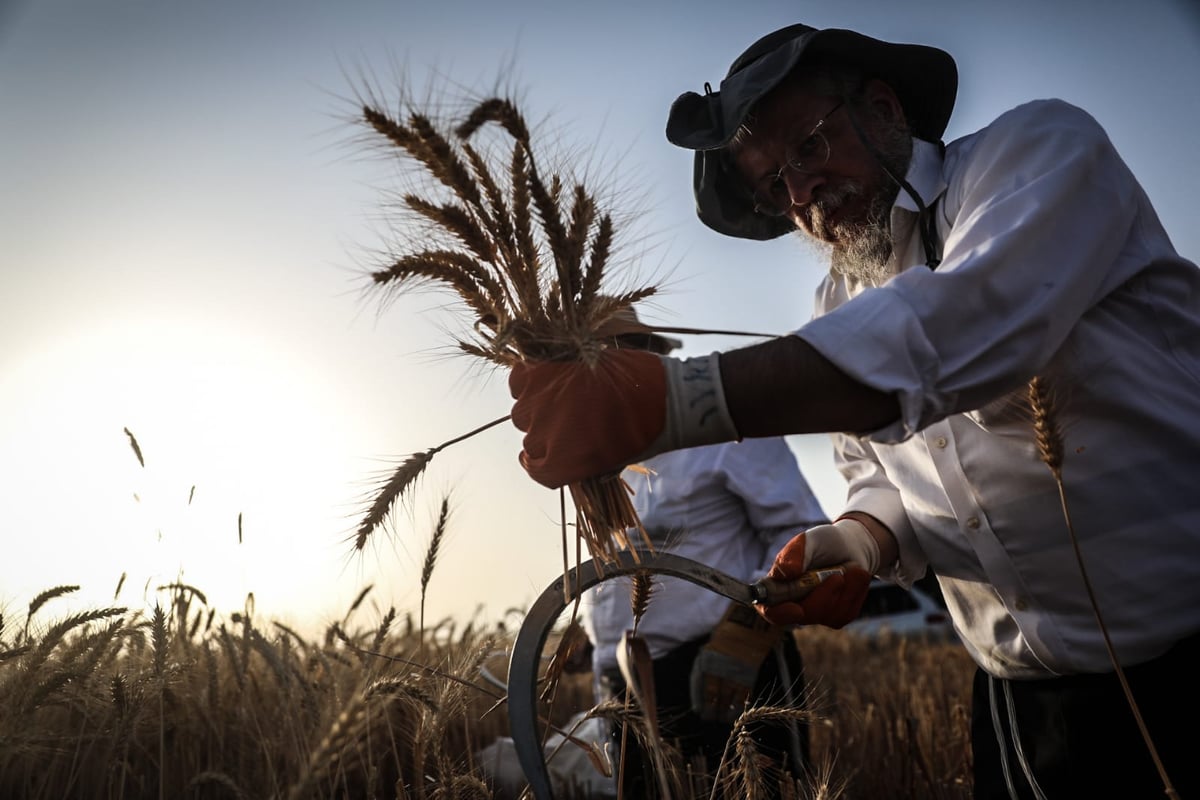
<point x="568" y="587"/>
<point x="708" y="331"/>
<point x="1051" y="449"/>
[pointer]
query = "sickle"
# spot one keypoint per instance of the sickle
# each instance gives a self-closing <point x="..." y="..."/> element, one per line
<point x="531" y="638"/>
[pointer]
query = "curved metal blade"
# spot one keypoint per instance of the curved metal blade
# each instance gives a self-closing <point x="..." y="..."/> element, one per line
<point x="527" y="649"/>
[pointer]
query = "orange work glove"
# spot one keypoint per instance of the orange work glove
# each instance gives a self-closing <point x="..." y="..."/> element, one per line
<point x="581" y="421"/>
<point x="839" y="599"/>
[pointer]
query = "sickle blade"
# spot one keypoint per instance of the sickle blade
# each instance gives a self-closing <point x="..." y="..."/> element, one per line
<point x="531" y="639"/>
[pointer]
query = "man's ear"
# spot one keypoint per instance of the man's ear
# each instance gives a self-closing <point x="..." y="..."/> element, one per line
<point x="883" y="103"/>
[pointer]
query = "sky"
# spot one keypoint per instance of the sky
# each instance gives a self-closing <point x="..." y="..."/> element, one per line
<point x="187" y="209"/>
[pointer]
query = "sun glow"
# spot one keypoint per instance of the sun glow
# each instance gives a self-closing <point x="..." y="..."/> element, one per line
<point x="245" y="458"/>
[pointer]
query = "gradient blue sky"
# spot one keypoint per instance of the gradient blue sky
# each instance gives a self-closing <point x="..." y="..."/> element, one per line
<point x="185" y="214"/>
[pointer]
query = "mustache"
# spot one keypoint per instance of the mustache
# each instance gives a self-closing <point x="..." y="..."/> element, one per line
<point x="821" y="209"/>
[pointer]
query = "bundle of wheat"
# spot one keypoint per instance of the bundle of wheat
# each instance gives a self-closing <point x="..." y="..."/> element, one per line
<point x="528" y="258"/>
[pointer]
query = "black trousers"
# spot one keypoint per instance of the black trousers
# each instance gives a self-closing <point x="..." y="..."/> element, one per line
<point x="1078" y="737"/>
<point x="699" y="739"/>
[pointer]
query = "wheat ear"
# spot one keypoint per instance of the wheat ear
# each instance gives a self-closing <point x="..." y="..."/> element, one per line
<point x="435" y="542"/>
<point x="137" y="448"/>
<point x="403" y="477"/>
<point x="44" y="597"/>
<point x="1050" y="442"/>
<point x="639" y="595"/>
<point x="747" y="774"/>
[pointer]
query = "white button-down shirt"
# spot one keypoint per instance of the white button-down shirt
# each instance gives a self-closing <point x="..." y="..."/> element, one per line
<point x="732" y="506"/>
<point x="1054" y="264"/>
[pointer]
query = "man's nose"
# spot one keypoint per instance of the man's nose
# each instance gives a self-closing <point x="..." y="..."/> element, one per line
<point x="801" y="185"/>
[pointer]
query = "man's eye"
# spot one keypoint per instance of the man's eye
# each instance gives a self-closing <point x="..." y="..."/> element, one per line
<point x="807" y="148"/>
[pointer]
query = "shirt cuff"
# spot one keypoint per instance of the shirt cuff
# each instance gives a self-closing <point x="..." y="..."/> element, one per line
<point x="878" y="340"/>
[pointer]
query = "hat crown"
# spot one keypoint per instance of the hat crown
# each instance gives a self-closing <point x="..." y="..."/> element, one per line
<point x="766" y="44"/>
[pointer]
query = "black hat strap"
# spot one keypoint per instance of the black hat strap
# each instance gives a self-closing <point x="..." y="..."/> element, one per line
<point x="925" y="218"/>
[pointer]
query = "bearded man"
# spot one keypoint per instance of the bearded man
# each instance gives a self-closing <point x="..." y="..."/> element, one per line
<point x="1007" y="351"/>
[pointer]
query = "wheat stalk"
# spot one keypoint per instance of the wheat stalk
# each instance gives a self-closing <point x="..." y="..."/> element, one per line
<point x="272" y="656"/>
<point x="358" y="601"/>
<point x="596" y="753"/>
<point x="639" y="600"/>
<point x="400" y="480"/>
<point x="573" y="637"/>
<point x="101" y="647"/>
<point x="406" y="687"/>
<point x="236" y="662"/>
<point x="342" y="731"/>
<point x="1048" y="434"/>
<point x="435" y="543"/>
<point x="384" y="626"/>
<point x="402" y="477"/>
<point x="40" y="653"/>
<point x="749" y="775"/>
<point x="462" y="787"/>
<point x="747" y="778"/>
<point x="211" y="674"/>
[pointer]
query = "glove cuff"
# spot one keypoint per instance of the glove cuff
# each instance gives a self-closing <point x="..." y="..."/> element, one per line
<point x="847" y="539"/>
<point x="696" y="411"/>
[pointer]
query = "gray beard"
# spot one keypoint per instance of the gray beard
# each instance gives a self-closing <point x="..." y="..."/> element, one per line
<point x="865" y="256"/>
<point x="864" y="250"/>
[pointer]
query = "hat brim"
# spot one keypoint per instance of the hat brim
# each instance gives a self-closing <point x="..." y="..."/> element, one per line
<point x="656" y="342"/>
<point x="625" y="324"/>
<point x="925" y="80"/>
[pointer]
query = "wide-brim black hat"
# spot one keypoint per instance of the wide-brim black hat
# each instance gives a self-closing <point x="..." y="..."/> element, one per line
<point x="925" y="79"/>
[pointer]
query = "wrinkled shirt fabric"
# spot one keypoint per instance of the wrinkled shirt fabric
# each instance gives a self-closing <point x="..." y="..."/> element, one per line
<point x="732" y="506"/>
<point x="1054" y="264"/>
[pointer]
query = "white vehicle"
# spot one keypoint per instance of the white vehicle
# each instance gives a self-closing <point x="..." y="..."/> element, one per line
<point x="902" y="612"/>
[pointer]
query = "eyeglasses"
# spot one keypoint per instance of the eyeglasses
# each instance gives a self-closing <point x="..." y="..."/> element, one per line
<point x="772" y="197"/>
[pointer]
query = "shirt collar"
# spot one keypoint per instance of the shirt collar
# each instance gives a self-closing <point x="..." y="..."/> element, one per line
<point x="924" y="175"/>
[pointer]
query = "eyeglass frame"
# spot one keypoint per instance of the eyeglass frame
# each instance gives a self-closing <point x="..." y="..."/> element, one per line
<point x="771" y="209"/>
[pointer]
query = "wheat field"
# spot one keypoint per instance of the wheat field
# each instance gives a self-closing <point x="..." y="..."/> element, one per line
<point x="183" y="701"/>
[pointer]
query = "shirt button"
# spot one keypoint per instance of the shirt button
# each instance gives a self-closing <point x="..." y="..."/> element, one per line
<point x="1021" y="605"/>
<point x="973" y="523"/>
<point x="940" y="442"/>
